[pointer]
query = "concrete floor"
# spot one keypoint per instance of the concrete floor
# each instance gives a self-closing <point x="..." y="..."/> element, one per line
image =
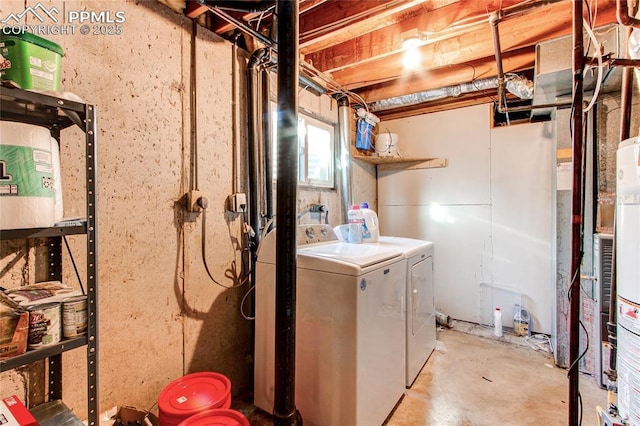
<point x="473" y="378"/>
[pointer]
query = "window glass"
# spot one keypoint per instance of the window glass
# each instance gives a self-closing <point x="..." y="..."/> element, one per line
<point x="315" y="151"/>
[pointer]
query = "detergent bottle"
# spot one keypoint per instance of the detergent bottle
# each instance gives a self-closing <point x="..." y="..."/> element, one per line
<point x="371" y="229"/>
<point x="356" y="224"/>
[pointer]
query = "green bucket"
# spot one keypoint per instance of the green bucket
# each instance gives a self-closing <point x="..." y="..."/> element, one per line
<point x="30" y="61"/>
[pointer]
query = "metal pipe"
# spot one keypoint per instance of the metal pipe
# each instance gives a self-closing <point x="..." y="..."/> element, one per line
<point x="494" y="19"/>
<point x="267" y="145"/>
<point x="576" y="215"/>
<point x="193" y="137"/>
<point x="235" y="75"/>
<point x="623" y="14"/>
<point x="626" y="98"/>
<point x="305" y="79"/>
<point x="239" y="24"/>
<point x="614" y="62"/>
<point x="256" y="61"/>
<point x="284" y="409"/>
<point x="238" y="6"/>
<point x="524" y="8"/>
<point x="344" y="163"/>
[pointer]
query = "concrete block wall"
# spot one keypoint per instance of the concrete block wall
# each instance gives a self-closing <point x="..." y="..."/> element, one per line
<point x="161" y="315"/>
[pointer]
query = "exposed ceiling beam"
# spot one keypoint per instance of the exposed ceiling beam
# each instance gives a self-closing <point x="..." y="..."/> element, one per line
<point x="439" y="23"/>
<point x="518" y="60"/>
<point x="341" y="20"/>
<point x="515" y="33"/>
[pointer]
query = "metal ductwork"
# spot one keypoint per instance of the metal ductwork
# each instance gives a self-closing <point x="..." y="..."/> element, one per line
<point x="517" y="85"/>
<point x="344" y="120"/>
<point x="553" y="67"/>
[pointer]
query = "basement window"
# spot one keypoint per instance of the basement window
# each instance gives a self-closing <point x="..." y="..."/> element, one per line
<point x="316" y="146"/>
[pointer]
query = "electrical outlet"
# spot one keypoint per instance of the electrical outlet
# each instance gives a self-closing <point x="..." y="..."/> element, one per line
<point x="237" y="202"/>
<point x="193" y="197"/>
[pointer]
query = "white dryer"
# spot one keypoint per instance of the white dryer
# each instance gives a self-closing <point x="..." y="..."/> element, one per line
<point x="420" y="303"/>
<point x="350" y="329"/>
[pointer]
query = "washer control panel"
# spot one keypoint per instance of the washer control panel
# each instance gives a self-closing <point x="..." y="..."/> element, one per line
<point x="315" y="233"/>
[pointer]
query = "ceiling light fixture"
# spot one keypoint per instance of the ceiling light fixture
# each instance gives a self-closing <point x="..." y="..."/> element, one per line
<point x="412" y="39"/>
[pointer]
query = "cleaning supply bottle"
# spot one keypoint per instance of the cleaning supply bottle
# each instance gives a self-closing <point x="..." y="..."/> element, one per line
<point x="371" y="230"/>
<point x="497" y="322"/>
<point x="356" y="221"/>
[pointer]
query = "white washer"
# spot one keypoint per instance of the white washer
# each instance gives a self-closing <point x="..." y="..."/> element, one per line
<point x="421" y="310"/>
<point x="350" y="329"/>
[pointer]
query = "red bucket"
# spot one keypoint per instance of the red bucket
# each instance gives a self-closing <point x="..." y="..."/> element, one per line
<point x="217" y="417"/>
<point x="192" y="394"/>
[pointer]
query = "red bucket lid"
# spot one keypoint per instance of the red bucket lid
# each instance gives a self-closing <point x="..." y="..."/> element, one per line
<point x="193" y="393"/>
<point x="216" y="417"/>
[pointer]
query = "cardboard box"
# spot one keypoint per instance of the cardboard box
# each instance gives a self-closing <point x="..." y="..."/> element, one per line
<point x="14" y="331"/>
<point x="14" y="413"/>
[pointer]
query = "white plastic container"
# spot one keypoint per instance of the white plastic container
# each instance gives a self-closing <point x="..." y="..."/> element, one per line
<point x="370" y="227"/>
<point x="356" y="221"/>
<point x="497" y="322"/>
<point x="30" y="166"/>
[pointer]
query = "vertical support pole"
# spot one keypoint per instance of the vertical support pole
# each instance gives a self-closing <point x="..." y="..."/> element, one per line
<point x="91" y="129"/>
<point x="284" y="410"/>
<point x="576" y="215"/>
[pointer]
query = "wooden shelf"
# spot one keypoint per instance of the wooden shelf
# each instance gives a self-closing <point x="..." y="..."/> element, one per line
<point x="405" y="163"/>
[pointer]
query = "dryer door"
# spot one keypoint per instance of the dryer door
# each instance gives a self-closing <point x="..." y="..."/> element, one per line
<point x="421" y="294"/>
<point x="420" y="315"/>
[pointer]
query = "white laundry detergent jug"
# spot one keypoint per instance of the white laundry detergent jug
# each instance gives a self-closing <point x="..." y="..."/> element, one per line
<point x="371" y="229"/>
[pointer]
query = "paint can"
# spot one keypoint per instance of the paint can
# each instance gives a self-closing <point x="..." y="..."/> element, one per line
<point x="44" y="325"/>
<point x="216" y="416"/>
<point x="74" y="316"/>
<point x="192" y="394"/>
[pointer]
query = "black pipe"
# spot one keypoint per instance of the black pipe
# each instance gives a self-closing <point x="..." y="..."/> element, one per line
<point x="284" y="409"/>
<point x="267" y="145"/>
<point x="576" y="217"/>
<point x="257" y="60"/>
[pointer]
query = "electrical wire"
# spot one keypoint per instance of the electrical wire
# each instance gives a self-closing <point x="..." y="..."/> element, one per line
<point x="204" y="255"/>
<point x="539" y="346"/>
<point x="244" y="298"/>
<point x="600" y="67"/>
<point x="584" y="352"/>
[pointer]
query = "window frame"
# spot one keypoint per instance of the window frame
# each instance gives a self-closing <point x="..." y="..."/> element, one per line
<point x="309" y="118"/>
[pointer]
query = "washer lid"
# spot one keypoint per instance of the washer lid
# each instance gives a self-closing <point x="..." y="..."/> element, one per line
<point x="360" y="255"/>
<point x="409" y="246"/>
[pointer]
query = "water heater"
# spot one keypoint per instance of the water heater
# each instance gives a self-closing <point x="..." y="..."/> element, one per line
<point x="628" y="278"/>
